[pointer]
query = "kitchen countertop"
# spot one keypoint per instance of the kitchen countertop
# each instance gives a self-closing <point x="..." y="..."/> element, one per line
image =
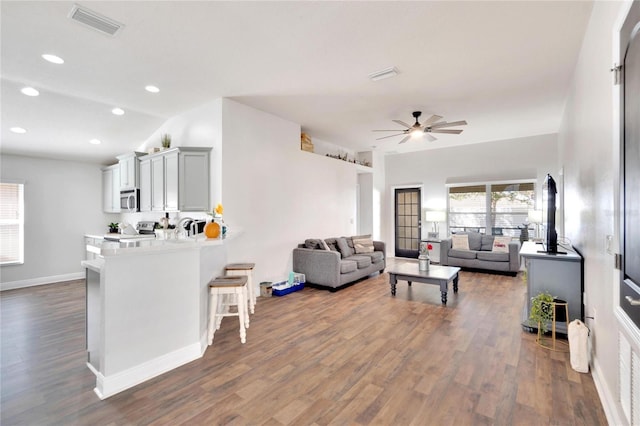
<point x="133" y="247"/>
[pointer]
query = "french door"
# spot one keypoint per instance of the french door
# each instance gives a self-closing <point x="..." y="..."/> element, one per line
<point x="407" y="222"/>
<point x="630" y="165"/>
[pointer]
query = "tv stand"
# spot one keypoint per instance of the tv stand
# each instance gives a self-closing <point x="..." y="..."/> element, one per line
<point x="561" y="276"/>
<point x="551" y="254"/>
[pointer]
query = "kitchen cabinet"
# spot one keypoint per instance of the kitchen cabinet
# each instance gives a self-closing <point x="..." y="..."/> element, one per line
<point x="145" y="185"/>
<point x="129" y="166"/>
<point x="111" y="189"/>
<point x="175" y="180"/>
<point x="92" y="247"/>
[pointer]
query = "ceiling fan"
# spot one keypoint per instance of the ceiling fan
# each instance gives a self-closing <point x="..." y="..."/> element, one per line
<point x="431" y="125"/>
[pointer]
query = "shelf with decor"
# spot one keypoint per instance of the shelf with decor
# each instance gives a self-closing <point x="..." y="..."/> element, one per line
<point x="362" y="160"/>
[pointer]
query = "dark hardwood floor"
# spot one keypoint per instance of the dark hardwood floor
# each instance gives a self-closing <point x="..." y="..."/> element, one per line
<point x="357" y="356"/>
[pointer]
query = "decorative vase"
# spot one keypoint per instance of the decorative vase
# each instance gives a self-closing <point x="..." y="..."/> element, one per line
<point x="423" y="262"/>
<point x="212" y="229"/>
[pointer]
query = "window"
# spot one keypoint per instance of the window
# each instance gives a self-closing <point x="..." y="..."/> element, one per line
<point x="11" y="223"/>
<point x="496" y="209"/>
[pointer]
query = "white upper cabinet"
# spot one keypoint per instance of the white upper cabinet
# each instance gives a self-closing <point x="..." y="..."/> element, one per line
<point x="145" y="185"/>
<point x="129" y="170"/>
<point x="177" y="179"/>
<point x="111" y="189"/>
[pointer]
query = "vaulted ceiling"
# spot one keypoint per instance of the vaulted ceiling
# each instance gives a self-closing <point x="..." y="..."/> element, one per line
<point x="505" y="67"/>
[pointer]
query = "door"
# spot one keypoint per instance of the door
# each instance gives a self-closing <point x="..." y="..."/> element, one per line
<point x="145" y="185"/>
<point x="407" y="222"/>
<point x="171" y="181"/>
<point x="630" y="165"/>
<point x="157" y="183"/>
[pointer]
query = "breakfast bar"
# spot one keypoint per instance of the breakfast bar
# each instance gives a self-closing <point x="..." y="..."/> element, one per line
<point x="147" y="307"/>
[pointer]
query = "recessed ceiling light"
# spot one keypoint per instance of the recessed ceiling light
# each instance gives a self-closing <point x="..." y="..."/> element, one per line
<point x="30" y="91"/>
<point x="385" y="73"/>
<point x="95" y="141"/>
<point x="53" y="58"/>
<point x="18" y="130"/>
<point x="117" y="111"/>
<point x="152" y="89"/>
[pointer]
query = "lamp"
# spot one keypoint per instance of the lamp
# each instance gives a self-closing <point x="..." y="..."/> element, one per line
<point x="535" y="217"/>
<point x="435" y="216"/>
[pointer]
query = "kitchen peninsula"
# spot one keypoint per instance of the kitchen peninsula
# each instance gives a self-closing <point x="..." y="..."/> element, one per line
<point x="147" y="307"/>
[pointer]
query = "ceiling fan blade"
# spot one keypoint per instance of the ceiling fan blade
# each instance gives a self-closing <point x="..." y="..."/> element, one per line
<point x="434" y="118"/>
<point x="452" y="132"/>
<point x="390" y="136"/>
<point x="402" y="123"/>
<point x="445" y="124"/>
<point x="394" y="130"/>
<point x="406" y="138"/>
<point x="431" y="138"/>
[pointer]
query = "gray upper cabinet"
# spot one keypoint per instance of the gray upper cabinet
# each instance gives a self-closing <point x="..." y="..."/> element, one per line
<point x="145" y="185"/>
<point x="111" y="189"/>
<point x="129" y="170"/>
<point x="177" y="179"/>
<point x="193" y="184"/>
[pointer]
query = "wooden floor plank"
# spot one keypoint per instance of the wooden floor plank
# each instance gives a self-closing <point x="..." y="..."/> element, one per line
<point x="356" y="356"/>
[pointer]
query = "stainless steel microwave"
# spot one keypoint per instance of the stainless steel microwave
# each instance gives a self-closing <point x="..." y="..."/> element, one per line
<point x="130" y="200"/>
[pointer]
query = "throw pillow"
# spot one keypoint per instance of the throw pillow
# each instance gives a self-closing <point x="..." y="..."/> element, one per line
<point x="343" y="247"/>
<point x="324" y="245"/>
<point x="363" y="244"/>
<point x="501" y="244"/>
<point x="460" y="242"/>
<point x="312" y="243"/>
<point x="333" y="244"/>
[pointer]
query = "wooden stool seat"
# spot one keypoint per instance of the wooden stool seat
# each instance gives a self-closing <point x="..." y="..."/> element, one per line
<point x="225" y="292"/>
<point x="246" y="269"/>
<point x="240" y="266"/>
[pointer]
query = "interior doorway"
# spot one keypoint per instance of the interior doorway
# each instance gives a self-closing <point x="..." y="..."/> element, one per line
<point x="407" y="222"/>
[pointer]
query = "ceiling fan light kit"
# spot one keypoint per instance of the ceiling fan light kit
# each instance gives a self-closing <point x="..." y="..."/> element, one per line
<point x="417" y="130"/>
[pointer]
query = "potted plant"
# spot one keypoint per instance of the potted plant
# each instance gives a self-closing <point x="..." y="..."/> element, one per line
<point x="541" y="312"/>
<point x="166" y="140"/>
<point x="113" y="228"/>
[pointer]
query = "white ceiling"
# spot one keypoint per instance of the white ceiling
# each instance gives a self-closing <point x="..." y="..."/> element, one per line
<point x="504" y="67"/>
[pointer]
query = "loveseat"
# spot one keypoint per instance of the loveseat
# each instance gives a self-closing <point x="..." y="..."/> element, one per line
<point x="335" y="262"/>
<point x="484" y="252"/>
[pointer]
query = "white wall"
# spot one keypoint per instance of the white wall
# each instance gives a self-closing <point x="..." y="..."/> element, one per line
<point x="523" y="158"/>
<point x="365" y="218"/>
<point x="277" y="193"/>
<point x="589" y="154"/>
<point x="63" y="201"/>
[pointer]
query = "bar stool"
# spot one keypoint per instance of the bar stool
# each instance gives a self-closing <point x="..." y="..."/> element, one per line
<point x="223" y="293"/>
<point x="234" y="269"/>
<point x="557" y="306"/>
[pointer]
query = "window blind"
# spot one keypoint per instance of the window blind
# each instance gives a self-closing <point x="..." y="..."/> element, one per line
<point x="11" y="223"/>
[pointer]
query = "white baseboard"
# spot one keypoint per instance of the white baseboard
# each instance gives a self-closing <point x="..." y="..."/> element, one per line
<point x="204" y="342"/>
<point x="31" y="282"/>
<point x="107" y="386"/>
<point x="607" y="398"/>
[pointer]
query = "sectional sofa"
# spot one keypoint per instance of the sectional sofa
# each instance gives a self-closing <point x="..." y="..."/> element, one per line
<point x="482" y="252"/>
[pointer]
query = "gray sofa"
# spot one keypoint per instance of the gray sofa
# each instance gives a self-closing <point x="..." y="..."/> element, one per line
<point x="335" y="268"/>
<point x="480" y="255"/>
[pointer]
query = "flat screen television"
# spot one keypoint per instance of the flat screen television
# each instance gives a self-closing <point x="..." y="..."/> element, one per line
<point x="549" y="191"/>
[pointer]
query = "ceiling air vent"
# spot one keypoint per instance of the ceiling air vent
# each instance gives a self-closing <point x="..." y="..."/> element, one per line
<point x="95" y="20"/>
